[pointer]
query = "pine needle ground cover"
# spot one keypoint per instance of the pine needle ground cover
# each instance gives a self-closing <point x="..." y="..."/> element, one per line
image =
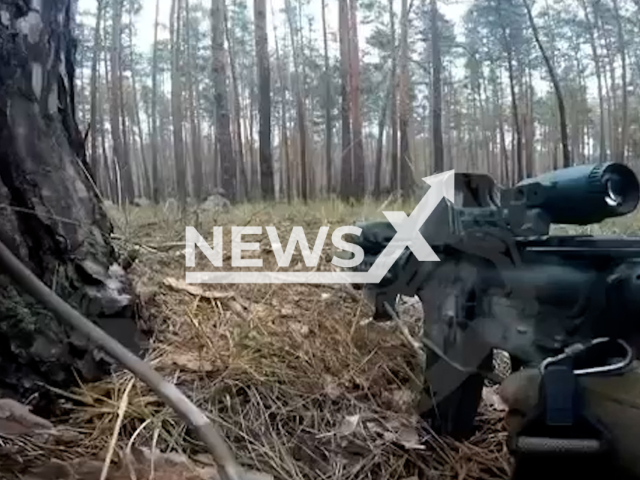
<point x="302" y="384"/>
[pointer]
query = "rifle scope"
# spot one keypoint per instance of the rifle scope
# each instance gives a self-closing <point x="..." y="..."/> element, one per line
<point x="581" y="195"/>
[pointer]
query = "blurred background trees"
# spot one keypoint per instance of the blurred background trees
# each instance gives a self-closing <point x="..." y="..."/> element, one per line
<point x="299" y="100"/>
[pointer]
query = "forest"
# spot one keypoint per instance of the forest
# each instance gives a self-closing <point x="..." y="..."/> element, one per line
<point x="293" y="109"/>
<point x="318" y="113"/>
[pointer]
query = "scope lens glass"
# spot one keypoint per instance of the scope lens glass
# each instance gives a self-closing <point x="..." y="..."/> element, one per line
<point x="615" y="195"/>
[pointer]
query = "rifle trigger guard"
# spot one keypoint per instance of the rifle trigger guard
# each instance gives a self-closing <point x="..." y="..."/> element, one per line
<point x="575" y="349"/>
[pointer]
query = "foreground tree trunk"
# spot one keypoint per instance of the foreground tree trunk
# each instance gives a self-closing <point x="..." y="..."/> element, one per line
<point x="56" y="224"/>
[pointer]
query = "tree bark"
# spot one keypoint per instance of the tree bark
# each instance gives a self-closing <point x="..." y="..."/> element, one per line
<point x="196" y="148"/>
<point x="235" y="85"/>
<point x="126" y="179"/>
<point x="382" y="122"/>
<point x="394" y="161"/>
<point x="52" y="218"/>
<point x="284" y="137"/>
<point x="155" y="180"/>
<point x="128" y="172"/>
<point x="346" y="169"/>
<point x="328" y="101"/>
<point x="358" y="144"/>
<point x="517" y="134"/>
<point x="300" y="109"/>
<point x="176" y="104"/>
<point x="406" y="175"/>
<point x="223" y="124"/>
<point x="436" y="91"/>
<point x="264" y="87"/>
<point x="146" y="178"/>
<point x="95" y="60"/>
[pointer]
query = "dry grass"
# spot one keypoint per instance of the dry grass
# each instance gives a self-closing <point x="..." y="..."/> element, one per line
<point x="301" y="384"/>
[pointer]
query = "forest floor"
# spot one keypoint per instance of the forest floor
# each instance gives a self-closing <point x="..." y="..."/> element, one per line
<point x="300" y="382"/>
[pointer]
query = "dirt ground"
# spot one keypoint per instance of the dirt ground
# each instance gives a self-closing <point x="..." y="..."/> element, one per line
<point x="299" y="380"/>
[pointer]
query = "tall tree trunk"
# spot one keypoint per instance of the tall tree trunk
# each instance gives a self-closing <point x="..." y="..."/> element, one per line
<point x="530" y="131"/>
<point x="504" y="163"/>
<point x="109" y="163"/>
<point x="284" y="137"/>
<point x="436" y="91"/>
<point x="57" y="225"/>
<point x="176" y="104"/>
<point x="126" y="148"/>
<point x="146" y="179"/>
<point x="250" y="120"/>
<point x="346" y="180"/>
<point x="196" y="147"/>
<point x="126" y="186"/>
<point x="612" y="90"/>
<point x="155" y="180"/>
<point x="517" y="134"/>
<point x="97" y="48"/>
<point x="223" y="124"/>
<point x="264" y="87"/>
<point x="406" y="175"/>
<point x="328" y="101"/>
<point x="625" y="101"/>
<point x="235" y="85"/>
<point x="395" y="159"/>
<point x="564" y="132"/>
<point x="358" y="144"/>
<point x="382" y="122"/>
<point x="598" y="69"/>
<point x="300" y="110"/>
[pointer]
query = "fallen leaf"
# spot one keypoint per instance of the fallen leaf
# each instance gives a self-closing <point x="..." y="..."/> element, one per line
<point x="349" y="425"/>
<point x="408" y="437"/>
